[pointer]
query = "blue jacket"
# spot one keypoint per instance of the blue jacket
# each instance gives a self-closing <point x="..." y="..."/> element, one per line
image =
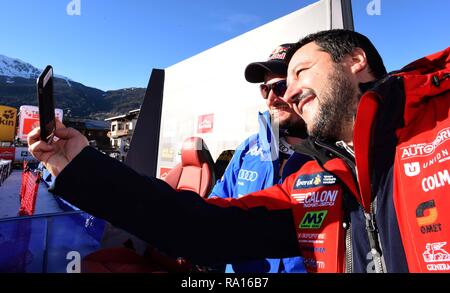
<point x="254" y="167"/>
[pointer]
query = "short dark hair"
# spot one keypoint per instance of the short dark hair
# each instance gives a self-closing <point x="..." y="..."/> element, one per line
<point x="340" y="42"/>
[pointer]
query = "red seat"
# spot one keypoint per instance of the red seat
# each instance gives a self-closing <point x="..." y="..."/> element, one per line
<point x="196" y="170"/>
<point x="196" y="173"/>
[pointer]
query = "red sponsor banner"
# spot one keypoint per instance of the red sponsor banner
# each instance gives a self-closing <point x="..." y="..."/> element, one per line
<point x="29" y="190"/>
<point x="7" y="153"/>
<point x="205" y="123"/>
<point x="29" y="119"/>
<point x="30" y="124"/>
<point x="163" y="172"/>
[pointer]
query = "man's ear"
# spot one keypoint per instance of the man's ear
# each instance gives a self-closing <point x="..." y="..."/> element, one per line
<point x="358" y="61"/>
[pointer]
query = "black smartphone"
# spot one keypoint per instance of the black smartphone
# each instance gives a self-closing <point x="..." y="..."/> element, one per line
<point x="46" y="104"/>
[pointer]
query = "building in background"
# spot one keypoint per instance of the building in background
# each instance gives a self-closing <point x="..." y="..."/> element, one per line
<point x="121" y="131"/>
<point x="96" y="131"/>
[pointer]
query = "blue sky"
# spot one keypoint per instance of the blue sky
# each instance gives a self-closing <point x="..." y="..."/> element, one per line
<point x="115" y="44"/>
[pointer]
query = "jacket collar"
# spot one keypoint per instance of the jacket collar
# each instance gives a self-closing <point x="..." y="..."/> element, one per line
<point x="268" y="136"/>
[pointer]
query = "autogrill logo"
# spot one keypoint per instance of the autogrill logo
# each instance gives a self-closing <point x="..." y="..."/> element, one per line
<point x="424" y="149"/>
<point x="247" y="175"/>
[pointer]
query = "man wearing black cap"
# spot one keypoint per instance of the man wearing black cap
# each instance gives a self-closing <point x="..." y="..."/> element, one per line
<point x="265" y="158"/>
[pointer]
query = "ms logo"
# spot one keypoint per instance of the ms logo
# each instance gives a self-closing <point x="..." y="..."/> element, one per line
<point x="412" y="169"/>
<point x="313" y="220"/>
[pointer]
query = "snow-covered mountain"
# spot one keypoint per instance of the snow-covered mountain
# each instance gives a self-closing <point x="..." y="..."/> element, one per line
<point x="18" y="87"/>
<point x="17" y="68"/>
<point x="12" y="67"/>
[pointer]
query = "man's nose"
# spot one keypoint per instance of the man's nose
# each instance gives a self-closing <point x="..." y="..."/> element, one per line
<point x="272" y="97"/>
<point x="292" y="94"/>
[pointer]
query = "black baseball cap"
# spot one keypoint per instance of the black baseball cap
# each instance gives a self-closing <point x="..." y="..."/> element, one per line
<point x="275" y="64"/>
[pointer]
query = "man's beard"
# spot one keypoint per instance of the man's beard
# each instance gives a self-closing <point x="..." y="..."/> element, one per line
<point x="337" y="107"/>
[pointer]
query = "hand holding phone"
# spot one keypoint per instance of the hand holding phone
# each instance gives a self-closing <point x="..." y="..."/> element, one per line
<point x="46" y="104"/>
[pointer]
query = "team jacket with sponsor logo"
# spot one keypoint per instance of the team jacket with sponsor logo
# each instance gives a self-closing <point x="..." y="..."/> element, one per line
<point x="386" y="209"/>
<point x="254" y="164"/>
<point x="254" y="167"/>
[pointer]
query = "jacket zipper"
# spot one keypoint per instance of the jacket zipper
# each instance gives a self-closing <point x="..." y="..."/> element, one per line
<point x="375" y="246"/>
<point x="372" y="231"/>
<point x="348" y="247"/>
<point x="347" y="225"/>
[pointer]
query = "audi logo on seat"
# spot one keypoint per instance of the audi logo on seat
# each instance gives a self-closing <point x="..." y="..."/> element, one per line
<point x="247" y="175"/>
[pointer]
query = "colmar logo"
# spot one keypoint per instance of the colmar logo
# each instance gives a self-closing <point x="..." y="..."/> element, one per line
<point x="313" y="220"/>
<point x="436" y="257"/>
<point x="438" y="180"/>
<point x="412" y="169"/>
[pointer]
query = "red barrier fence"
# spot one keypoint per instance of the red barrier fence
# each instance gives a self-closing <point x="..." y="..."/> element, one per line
<point x="29" y="190"/>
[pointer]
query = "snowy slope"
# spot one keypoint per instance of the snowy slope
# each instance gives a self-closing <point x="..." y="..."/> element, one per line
<point x="17" y="68"/>
<point x="11" y="67"/>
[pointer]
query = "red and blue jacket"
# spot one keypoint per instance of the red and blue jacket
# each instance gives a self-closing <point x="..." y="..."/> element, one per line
<point x="383" y="209"/>
<point x="255" y="165"/>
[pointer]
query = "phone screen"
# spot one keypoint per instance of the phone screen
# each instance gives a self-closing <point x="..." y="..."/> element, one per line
<point x="46" y="104"/>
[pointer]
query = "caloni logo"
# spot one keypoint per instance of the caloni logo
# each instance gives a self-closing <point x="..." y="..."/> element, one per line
<point x="412" y="169"/>
<point x="247" y="175"/>
<point x="316" y="198"/>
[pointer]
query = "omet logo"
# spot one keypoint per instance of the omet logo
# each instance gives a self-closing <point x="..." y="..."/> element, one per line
<point x="426" y="216"/>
